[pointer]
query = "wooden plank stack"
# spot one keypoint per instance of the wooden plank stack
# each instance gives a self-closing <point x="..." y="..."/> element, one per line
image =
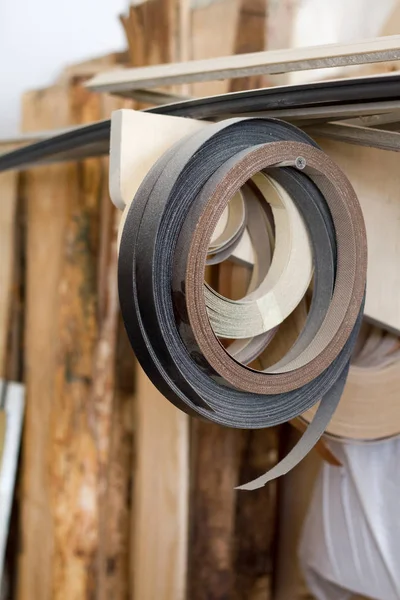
<point x="73" y="401"/>
<point x="110" y="509"/>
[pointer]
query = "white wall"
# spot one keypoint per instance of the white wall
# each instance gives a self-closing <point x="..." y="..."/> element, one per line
<point x="39" y="37"/>
<point x="337" y="21"/>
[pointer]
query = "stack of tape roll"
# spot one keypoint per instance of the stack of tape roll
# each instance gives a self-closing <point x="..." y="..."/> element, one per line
<point x="304" y="221"/>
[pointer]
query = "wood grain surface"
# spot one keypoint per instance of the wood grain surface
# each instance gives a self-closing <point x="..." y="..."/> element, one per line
<point x="231" y="533"/>
<point x="157" y="32"/>
<point x="242" y="65"/>
<point x="45" y="230"/>
<point x="9" y="191"/>
<point x="72" y="432"/>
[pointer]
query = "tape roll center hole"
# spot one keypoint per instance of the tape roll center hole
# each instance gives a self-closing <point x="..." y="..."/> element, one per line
<point x="247" y="219"/>
<point x="254" y="232"/>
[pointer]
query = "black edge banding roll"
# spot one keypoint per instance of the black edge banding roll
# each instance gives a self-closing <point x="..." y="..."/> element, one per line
<point x="167" y="350"/>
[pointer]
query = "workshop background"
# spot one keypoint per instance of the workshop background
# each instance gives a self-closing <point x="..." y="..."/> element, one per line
<point x="117" y="494"/>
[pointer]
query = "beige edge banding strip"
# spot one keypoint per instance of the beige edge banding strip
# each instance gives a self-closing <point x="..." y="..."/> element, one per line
<point x="285" y="283"/>
<point x="350" y="278"/>
<point x="369" y="408"/>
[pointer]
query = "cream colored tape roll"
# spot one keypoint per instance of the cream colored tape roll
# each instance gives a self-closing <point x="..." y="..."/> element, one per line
<point x="370" y="404"/>
<point x="285" y="283"/>
<point x="235" y="220"/>
<point x="163" y="251"/>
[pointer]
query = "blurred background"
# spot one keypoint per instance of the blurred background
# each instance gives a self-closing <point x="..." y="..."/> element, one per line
<point x="38" y="39"/>
<point x="117" y="494"/>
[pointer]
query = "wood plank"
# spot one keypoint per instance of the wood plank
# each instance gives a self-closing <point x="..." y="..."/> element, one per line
<point x="295" y="490"/>
<point x="114" y="402"/>
<point x="91" y="515"/>
<point x="160" y="496"/>
<point x="117" y="551"/>
<point x="76" y="433"/>
<point x="206" y="39"/>
<point x="156" y="32"/>
<point x="70" y="477"/>
<point x="255" y="518"/>
<point x="8" y="191"/>
<point x="214" y="468"/>
<point x="357" y="135"/>
<point x="45" y="221"/>
<point x="231" y="532"/>
<point x="255" y="535"/>
<point x="274" y="61"/>
<point x="113" y="481"/>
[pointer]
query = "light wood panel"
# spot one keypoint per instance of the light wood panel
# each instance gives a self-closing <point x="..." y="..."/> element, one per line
<point x="47" y="198"/>
<point x="375" y="176"/>
<point x="160" y="496"/>
<point x="157" y="32"/>
<point x="277" y="61"/>
<point x="358" y="136"/>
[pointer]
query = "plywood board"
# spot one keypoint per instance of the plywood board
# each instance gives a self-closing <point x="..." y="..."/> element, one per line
<point x="375" y="176"/>
<point x="274" y="61"/>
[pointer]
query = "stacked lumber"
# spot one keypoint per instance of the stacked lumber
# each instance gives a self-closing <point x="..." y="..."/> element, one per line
<point x="75" y="490"/>
<point x="81" y="464"/>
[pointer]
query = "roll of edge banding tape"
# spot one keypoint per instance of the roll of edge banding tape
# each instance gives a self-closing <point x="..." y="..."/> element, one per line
<point x="163" y="252"/>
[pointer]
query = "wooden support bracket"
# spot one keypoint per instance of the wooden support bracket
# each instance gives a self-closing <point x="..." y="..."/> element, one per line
<point x="138" y="139"/>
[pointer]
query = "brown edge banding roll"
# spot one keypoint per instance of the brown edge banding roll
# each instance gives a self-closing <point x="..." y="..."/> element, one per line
<point x="350" y="277"/>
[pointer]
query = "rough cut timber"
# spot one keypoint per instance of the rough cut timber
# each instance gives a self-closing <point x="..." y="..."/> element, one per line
<point x="9" y="193"/>
<point x="47" y="192"/>
<point x="215" y="472"/>
<point x="294" y="494"/>
<point x="157" y="31"/>
<point x="69" y="472"/>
